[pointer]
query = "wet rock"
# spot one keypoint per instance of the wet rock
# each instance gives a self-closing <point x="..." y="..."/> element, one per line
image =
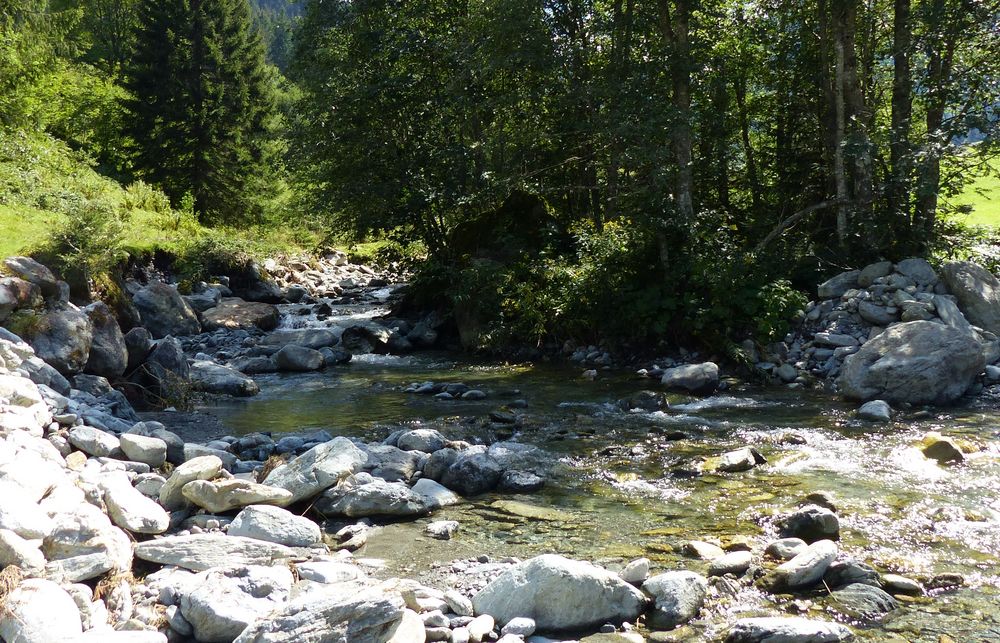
<point x="373" y="497"/>
<point x="806" y="568"/>
<point x="199" y="552"/>
<point x="233" y="313"/>
<point x="210" y="377"/>
<point x="520" y="482"/>
<point x="276" y="525"/>
<point x="221" y="603"/>
<point x="810" y="523"/>
<point x="318" y="469"/>
<point x="737" y="562"/>
<point x="62" y="338"/>
<point x="223" y="495"/>
<point x="785" y="548"/>
<point x="367" y="338"/>
<point x="332" y="614"/>
<point x="108" y="352"/>
<point x="787" y="630"/>
<point x="896" y="584"/>
<point x="442" y="529"/>
<point x="164" y="312"/>
<point x="644" y="401"/>
<point x="27" y="615"/>
<point x="863" y="602"/>
<point x="918" y="362"/>
<point x="474" y="395"/>
<point x="848" y="571"/>
<point x="560" y="594"/>
<point x="937" y="447"/>
<point x="678" y="596"/>
<point x="740" y="460"/>
<point x="298" y="358"/>
<point x="315" y="338"/>
<point x="875" y="411"/>
<point x="696" y="378"/>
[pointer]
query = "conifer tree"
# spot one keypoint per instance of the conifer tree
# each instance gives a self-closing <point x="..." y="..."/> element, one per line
<point x="202" y="106"/>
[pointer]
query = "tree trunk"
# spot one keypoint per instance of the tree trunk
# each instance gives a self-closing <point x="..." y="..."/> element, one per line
<point x="839" y="173"/>
<point x="902" y="112"/>
<point x="753" y="177"/>
<point x="675" y="28"/>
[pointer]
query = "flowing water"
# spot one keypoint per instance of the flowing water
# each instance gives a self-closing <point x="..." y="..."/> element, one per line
<point x="621" y="488"/>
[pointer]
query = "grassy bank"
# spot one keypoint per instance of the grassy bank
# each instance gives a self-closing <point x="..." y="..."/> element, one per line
<point x="982" y="200"/>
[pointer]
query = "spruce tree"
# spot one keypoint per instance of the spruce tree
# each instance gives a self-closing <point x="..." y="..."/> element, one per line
<point x="202" y="106"/>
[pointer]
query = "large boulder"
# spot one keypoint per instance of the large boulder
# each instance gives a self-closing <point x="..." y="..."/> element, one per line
<point x="977" y="291"/>
<point x="293" y="357"/>
<point x="33" y="272"/>
<point x="223" y="602"/>
<point x="62" y="338"/>
<point x="108" y="352"/>
<point x="560" y="595"/>
<point x="837" y="285"/>
<point x="318" y="469"/>
<point x="919" y="362"/>
<point x="276" y="525"/>
<point x="164" y="312"/>
<point x="678" y="596"/>
<point x="374" y="497"/>
<point x="16" y="293"/>
<point x="233" y="313"/>
<point x="696" y="378"/>
<point x="210" y="377"/>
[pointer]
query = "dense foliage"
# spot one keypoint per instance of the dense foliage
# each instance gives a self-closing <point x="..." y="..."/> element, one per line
<point x="693" y="156"/>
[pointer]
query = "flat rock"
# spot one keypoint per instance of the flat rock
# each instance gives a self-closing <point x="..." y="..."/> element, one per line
<point x="221" y="603"/>
<point x="560" y="594"/>
<point x="233" y="313"/>
<point x="781" y="629"/>
<point x="202" y="468"/>
<point x="735" y="562"/>
<point x="199" y="552"/>
<point x="373" y="498"/>
<point x="210" y="377"/>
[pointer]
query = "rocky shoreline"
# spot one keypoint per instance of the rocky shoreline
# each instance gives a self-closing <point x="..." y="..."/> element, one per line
<point x="136" y="535"/>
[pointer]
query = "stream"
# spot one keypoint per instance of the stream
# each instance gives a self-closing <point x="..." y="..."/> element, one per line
<point x="623" y="485"/>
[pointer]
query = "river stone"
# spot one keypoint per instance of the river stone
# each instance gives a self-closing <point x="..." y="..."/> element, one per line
<point x="873" y="271"/>
<point x="203" y="468"/>
<point x="331" y="614"/>
<point x="164" y="312"/>
<point x="94" y="441"/>
<point x="918" y="362"/>
<point x="318" y="469"/>
<point x="875" y="314"/>
<point x="837" y="285"/>
<point x="787" y="629"/>
<point x="702" y="550"/>
<point x="298" y="358"/>
<point x="472" y="473"/>
<point x="426" y="440"/>
<point x="108" y="353"/>
<point x="937" y="447"/>
<point x="950" y="314"/>
<point x="141" y="448"/>
<point x="862" y="601"/>
<point x="33" y="272"/>
<point x="875" y="411"/>
<point x="315" y="338"/>
<point x="62" y="338"/>
<point x="222" y="495"/>
<point x="678" y="596"/>
<point x="374" y="498"/>
<point x="175" y="445"/>
<point x="233" y="313"/>
<point x="560" y="594"/>
<point x="210" y="377"/>
<point x="221" y="603"/>
<point x="131" y="510"/>
<point x="39" y="611"/>
<point x="22" y="515"/>
<point x="329" y="571"/>
<point x="785" y="548"/>
<point x="276" y="525"/>
<point x="199" y="552"/>
<point x="736" y="562"/>
<point x="901" y="585"/>
<point x="846" y="571"/>
<point x="807" y="567"/>
<point x="166" y="371"/>
<point x="696" y="378"/>
<point x="391" y="463"/>
<point x="740" y="460"/>
<point x="977" y="291"/>
<point x="636" y="572"/>
<point x="435" y="495"/>
<point x="442" y="529"/>
<point x="20" y="552"/>
<point x="810" y="523"/>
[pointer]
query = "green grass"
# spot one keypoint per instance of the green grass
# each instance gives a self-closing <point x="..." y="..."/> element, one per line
<point x="982" y="199"/>
<point x="24" y="227"/>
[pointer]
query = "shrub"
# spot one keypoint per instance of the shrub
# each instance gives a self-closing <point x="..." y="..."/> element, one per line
<point x="89" y="241"/>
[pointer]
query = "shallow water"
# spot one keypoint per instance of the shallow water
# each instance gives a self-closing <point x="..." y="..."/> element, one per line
<point x="618" y="499"/>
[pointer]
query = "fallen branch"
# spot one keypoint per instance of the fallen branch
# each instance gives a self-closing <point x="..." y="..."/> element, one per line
<point x="787" y="223"/>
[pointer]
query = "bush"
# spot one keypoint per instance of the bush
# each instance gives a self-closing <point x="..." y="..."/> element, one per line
<point x="89" y="241"/>
<point x="213" y="253"/>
